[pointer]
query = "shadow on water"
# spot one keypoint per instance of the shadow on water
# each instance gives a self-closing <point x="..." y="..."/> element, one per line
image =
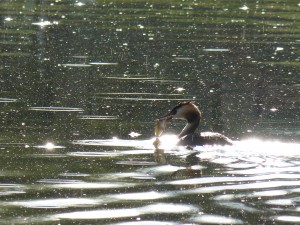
<point x="81" y="83"/>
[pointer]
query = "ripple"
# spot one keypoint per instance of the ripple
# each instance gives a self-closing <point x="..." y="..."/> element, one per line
<point x="80" y="56"/>
<point x="8" y="100"/>
<point x="280" y="202"/>
<point x="145" y="99"/>
<point x="137" y="152"/>
<point x="207" y="180"/>
<point x="216" y="219"/>
<point x="141" y="196"/>
<point x="147" y="222"/>
<point x="99" y="214"/>
<point x="109" y="153"/>
<point x="44" y="23"/>
<point x="216" y="50"/>
<point x="11" y="189"/>
<point x="138" y="93"/>
<point x="247" y="186"/>
<point x="56" y="109"/>
<point x="11" y="192"/>
<point x="270" y="193"/>
<point x="74" y="174"/>
<point x="56" y="203"/>
<point x="238" y="206"/>
<point x="259" y="148"/>
<point x="136" y="163"/>
<point x="26" y="145"/>
<point x="11" y="186"/>
<point x="167" y="170"/>
<point x="147" y="79"/>
<point x="160" y="208"/>
<point x="103" y="64"/>
<point x="94" y="154"/>
<point x="267" y="170"/>
<point x="57" y="181"/>
<point x="83" y="65"/>
<point x="77" y="184"/>
<point x="288" y="219"/>
<point x="49" y="146"/>
<point x="239" y="165"/>
<point x="93" y="117"/>
<point x="260" y="155"/>
<point x="184" y="58"/>
<point x="134" y="175"/>
<point x="90" y="185"/>
<point x="144" y="144"/>
<point x="50" y="155"/>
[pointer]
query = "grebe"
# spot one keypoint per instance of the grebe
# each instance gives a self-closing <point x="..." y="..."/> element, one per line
<point x="190" y="112"/>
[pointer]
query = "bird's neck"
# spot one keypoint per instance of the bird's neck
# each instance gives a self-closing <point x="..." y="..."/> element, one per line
<point x="190" y="127"/>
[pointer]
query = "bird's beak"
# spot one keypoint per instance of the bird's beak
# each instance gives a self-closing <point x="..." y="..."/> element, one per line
<point x="167" y="117"/>
<point x="161" y="123"/>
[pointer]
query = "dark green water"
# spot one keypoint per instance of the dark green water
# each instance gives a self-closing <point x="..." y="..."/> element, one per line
<point x="78" y="80"/>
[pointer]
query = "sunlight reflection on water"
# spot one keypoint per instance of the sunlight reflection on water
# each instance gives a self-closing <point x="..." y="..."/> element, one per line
<point x="11" y="189"/>
<point x="251" y="170"/>
<point x="166" y="142"/>
<point x="146" y="223"/>
<point x="56" y="109"/>
<point x="49" y="146"/>
<point x="8" y="100"/>
<point x="141" y="196"/>
<point x="57" y="203"/>
<point x="99" y="214"/>
<point x="215" y="219"/>
<point x="270" y="148"/>
<point x="289" y="219"/>
<point x="144" y="144"/>
<point x="250" y="186"/>
<point x="115" y="65"/>
<point x="159" y="208"/>
<point x="93" y="185"/>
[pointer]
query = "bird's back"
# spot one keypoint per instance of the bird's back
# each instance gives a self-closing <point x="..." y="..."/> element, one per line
<point x="205" y="138"/>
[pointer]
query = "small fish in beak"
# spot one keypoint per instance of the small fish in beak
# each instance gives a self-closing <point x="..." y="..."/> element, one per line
<point x="160" y="126"/>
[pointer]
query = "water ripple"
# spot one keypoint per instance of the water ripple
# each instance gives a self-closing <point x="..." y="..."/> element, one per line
<point x="230" y="179"/>
<point x="11" y="189"/>
<point x="56" y="109"/>
<point x="8" y="100"/>
<point x="247" y="186"/>
<point x="109" y="153"/>
<point x="56" y="203"/>
<point x="144" y="144"/>
<point x="141" y="196"/>
<point x="99" y="214"/>
<point x="159" y="208"/>
<point x="77" y="184"/>
<point x="215" y="219"/>
<point x="288" y="219"/>
<point x="146" y="223"/>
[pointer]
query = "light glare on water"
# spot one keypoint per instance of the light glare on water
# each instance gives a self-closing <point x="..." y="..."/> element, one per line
<point x="82" y="83"/>
<point x="133" y="212"/>
<point x="56" y="203"/>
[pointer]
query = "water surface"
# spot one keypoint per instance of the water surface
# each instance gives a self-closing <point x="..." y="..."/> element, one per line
<point x="81" y="83"/>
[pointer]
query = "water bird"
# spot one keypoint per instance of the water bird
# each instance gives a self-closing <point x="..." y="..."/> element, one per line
<point x="191" y="113"/>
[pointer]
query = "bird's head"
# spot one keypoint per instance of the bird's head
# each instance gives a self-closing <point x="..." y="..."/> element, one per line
<point x="185" y="110"/>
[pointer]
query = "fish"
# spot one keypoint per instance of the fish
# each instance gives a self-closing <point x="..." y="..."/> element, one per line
<point x="160" y="126"/>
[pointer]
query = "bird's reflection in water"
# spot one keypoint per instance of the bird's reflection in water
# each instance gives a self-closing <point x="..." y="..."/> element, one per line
<point x="160" y="157"/>
<point x="189" y="169"/>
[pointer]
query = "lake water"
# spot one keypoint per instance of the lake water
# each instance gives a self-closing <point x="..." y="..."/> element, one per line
<point x="82" y="82"/>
